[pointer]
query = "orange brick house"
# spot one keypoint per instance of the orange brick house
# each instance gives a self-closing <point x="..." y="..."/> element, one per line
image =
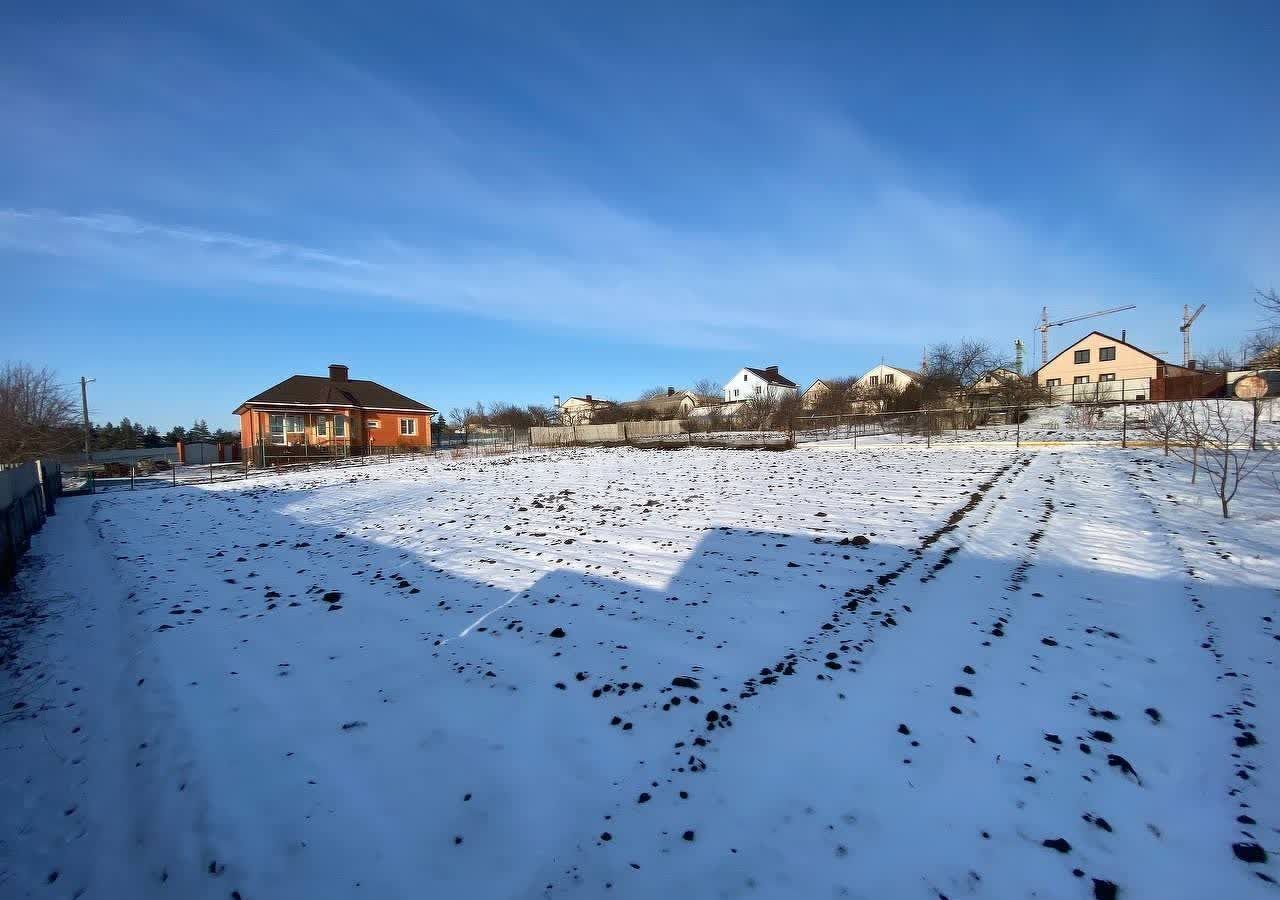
<point x="310" y="415"/>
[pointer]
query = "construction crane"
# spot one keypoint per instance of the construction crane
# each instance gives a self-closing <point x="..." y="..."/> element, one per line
<point x="1045" y="325"/>
<point x="1187" y="318"/>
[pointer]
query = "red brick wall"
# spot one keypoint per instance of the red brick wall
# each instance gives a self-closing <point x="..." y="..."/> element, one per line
<point x="387" y="434"/>
<point x="255" y="427"/>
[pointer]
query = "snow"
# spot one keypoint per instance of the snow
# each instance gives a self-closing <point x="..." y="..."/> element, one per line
<point x="492" y="692"/>
<point x="1058" y="425"/>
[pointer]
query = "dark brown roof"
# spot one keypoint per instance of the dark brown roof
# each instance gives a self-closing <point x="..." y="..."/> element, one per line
<point x="771" y="377"/>
<point x="317" y="390"/>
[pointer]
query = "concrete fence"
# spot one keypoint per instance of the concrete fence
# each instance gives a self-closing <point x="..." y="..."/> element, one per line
<point x="121" y="456"/>
<point x="620" y="433"/>
<point x="27" y="493"/>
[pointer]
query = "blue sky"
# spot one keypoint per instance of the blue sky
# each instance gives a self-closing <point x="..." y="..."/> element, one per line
<point x="517" y="201"/>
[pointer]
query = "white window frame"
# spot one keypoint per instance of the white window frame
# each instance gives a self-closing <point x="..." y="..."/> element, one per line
<point x="289" y="424"/>
<point x="412" y="425"/>
<point x="1107" y="376"/>
<point x="1081" y="379"/>
<point x="373" y="424"/>
<point x="340" y="426"/>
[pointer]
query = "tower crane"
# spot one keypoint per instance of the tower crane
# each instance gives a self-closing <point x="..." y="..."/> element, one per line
<point x="1187" y="318"/>
<point x="1045" y="325"/>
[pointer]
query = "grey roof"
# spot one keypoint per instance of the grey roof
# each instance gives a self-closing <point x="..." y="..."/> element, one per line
<point x="771" y="377"/>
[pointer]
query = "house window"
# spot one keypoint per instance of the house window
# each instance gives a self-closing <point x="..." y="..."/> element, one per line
<point x="1053" y="382"/>
<point x="373" y="423"/>
<point x="888" y="378"/>
<point x="1082" y="356"/>
<point x="339" y="426"/>
<point x="873" y="380"/>
<point x="757" y="390"/>
<point x="735" y="392"/>
<point x="408" y="426"/>
<point x="1106" y="354"/>
<point x="322" y="426"/>
<point x="285" y="429"/>
<point x="1107" y="376"/>
<point x="1082" y="379"/>
<point x="744" y="376"/>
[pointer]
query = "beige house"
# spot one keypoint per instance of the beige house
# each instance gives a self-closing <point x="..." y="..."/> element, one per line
<point x="814" y="393"/>
<point x="894" y="378"/>
<point x="581" y="410"/>
<point x="994" y="380"/>
<point x="1102" y="367"/>
<point x="672" y="405"/>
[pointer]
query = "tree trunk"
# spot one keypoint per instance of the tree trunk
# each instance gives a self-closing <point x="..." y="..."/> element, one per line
<point x="1225" y="514"/>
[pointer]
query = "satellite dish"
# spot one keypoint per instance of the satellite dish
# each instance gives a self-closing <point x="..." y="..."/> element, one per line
<point x="1251" y="387"/>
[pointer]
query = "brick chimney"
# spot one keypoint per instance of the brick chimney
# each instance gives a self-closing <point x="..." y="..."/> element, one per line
<point x="338" y="373"/>
<point x="671" y="392"/>
<point x="588" y="398"/>
<point x="772" y="370"/>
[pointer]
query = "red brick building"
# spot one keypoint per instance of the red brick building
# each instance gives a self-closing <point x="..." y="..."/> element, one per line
<point x="311" y="415"/>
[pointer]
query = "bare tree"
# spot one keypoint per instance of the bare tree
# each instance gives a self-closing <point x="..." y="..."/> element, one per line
<point x="952" y="373"/>
<point x="1217" y="445"/>
<point x="652" y="393"/>
<point x="836" y="399"/>
<point x="708" y="389"/>
<point x="37" y="414"/>
<point x="1021" y="393"/>
<point x="1270" y="303"/>
<point x="1165" y="422"/>
<point x="1088" y="404"/>
<point x="1261" y="349"/>
<point x="758" y="411"/>
<point x="1220" y="359"/>
<point x="788" y="409"/>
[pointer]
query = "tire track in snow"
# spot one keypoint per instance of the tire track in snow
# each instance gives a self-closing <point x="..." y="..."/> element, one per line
<point x="1244" y="748"/>
<point x="694" y="749"/>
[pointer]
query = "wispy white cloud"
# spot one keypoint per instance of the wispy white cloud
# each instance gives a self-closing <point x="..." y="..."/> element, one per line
<point x="739" y="213"/>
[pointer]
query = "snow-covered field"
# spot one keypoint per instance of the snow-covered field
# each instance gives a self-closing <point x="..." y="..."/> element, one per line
<point x="822" y="673"/>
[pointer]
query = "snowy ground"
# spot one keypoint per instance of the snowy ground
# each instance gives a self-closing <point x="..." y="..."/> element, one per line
<point x="654" y="674"/>
<point x="1057" y="425"/>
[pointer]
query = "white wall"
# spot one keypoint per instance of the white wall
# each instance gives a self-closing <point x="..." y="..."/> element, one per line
<point x="745" y="383"/>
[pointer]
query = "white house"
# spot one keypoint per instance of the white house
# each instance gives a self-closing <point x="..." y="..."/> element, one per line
<point x="581" y="410"/>
<point x="766" y="382"/>
<point x="894" y="378"/>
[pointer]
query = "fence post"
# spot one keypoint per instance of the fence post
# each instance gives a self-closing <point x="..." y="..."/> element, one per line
<point x="211" y="473"/>
<point x="133" y="471"/>
<point x="1124" y="423"/>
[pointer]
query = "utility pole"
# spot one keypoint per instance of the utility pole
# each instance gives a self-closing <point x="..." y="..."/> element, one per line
<point x="84" y="410"/>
